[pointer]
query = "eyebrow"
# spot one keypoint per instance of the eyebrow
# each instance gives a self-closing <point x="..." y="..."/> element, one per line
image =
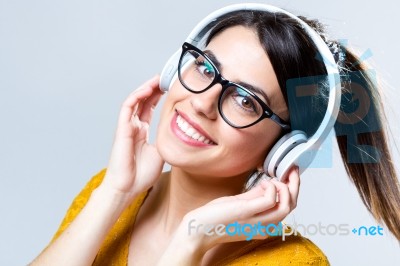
<point x="248" y="86"/>
<point x="256" y="90"/>
<point x="214" y="59"/>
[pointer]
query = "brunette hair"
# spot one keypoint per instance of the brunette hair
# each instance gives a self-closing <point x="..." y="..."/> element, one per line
<point x="293" y="55"/>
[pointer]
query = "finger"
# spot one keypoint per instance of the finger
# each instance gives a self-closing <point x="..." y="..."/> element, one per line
<point x="256" y="191"/>
<point x="270" y="194"/>
<point x="234" y="210"/>
<point x="248" y="207"/>
<point x="279" y="211"/>
<point x="129" y="106"/>
<point x="145" y="90"/>
<point x="283" y="207"/>
<point x="293" y="183"/>
<point x="264" y="188"/>
<point x="148" y="106"/>
<point x="229" y="210"/>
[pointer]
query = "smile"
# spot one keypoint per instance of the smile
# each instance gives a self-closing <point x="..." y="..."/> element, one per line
<point x="190" y="131"/>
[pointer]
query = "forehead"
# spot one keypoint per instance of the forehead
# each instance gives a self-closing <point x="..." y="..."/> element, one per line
<point x="243" y="59"/>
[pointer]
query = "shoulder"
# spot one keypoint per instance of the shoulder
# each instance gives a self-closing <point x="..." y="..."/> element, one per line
<point x="294" y="250"/>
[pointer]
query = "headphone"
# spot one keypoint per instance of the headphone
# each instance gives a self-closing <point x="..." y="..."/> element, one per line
<point x="294" y="148"/>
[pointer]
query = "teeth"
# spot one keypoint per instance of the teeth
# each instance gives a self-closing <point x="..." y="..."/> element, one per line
<point x="185" y="126"/>
<point x="190" y="131"/>
<point x="196" y="136"/>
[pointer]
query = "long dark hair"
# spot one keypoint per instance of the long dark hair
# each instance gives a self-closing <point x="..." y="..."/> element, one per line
<point x="362" y="139"/>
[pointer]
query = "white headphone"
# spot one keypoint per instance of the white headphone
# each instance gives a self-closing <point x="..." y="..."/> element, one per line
<point x="294" y="148"/>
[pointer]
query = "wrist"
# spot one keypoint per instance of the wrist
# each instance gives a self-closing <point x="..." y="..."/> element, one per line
<point x="114" y="198"/>
<point x="182" y="251"/>
<point x="184" y="248"/>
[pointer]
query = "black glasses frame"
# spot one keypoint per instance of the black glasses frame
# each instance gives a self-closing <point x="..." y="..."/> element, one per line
<point x="218" y="79"/>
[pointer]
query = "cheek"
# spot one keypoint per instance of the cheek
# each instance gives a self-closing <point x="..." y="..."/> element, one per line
<point x="173" y="96"/>
<point x="165" y="146"/>
<point x="248" y="148"/>
<point x="252" y="150"/>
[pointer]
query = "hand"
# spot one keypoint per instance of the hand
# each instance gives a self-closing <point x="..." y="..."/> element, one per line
<point x="134" y="164"/>
<point x="269" y="203"/>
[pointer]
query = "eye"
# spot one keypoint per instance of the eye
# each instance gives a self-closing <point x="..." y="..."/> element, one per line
<point x="245" y="101"/>
<point x="204" y="68"/>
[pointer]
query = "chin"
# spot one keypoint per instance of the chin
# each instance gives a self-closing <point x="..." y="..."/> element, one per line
<point x="207" y="168"/>
<point x="170" y="152"/>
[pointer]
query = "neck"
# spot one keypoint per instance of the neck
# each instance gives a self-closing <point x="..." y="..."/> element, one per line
<point x="182" y="192"/>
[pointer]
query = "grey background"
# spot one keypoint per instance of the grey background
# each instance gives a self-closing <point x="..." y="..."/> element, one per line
<point x="66" y="67"/>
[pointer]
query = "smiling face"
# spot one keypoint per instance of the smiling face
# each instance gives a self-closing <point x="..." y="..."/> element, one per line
<point x="193" y="136"/>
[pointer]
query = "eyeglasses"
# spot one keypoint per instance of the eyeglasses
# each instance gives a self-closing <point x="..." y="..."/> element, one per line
<point x="238" y="106"/>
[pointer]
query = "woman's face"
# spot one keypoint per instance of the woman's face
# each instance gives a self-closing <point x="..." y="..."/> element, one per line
<point x="221" y="150"/>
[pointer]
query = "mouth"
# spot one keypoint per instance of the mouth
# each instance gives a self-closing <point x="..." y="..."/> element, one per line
<point x="190" y="132"/>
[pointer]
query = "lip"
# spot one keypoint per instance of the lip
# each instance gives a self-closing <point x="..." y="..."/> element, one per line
<point x="186" y="139"/>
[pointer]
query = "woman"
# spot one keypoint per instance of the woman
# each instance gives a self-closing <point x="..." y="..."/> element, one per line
<point x="213" y="149"/>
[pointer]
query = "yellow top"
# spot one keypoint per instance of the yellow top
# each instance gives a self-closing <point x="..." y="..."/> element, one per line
<point x="295" y="250"/>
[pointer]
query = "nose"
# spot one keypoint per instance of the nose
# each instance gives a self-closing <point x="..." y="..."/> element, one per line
<point x="206" y="103"/>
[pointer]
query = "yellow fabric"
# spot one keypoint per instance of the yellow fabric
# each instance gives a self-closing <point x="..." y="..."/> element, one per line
<point x="295" y="250"/>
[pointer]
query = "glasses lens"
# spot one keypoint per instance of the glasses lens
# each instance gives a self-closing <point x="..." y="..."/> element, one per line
<point x="195" y="71"/>
<point x="239" y="107"/>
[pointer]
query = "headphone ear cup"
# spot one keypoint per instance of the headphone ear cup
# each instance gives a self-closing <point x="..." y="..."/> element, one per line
<point x="284" y="145"/>
<point x="169" y="71"/>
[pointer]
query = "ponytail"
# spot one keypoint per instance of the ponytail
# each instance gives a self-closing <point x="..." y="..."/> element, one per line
<point x="363" y="144"/>
<point x="361" y="131"/>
